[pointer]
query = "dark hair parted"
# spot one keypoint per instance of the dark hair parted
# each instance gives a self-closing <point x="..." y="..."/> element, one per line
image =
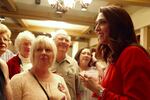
<point x="121" y="29"/>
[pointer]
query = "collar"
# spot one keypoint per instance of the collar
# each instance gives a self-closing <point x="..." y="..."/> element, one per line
<point x="66" y="59"/>
<point x="24" y="60"/>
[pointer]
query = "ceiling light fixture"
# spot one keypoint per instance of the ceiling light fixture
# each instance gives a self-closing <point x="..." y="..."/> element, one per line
<point x="63" y="6"/>
<point x="85" y="4"/>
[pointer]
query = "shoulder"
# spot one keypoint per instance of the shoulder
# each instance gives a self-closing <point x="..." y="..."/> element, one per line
<point x="134" y="50"/>
<point x="19" y="80"/>
<point x="58" y="77"/>
<point x="13" y="59"/>
<point x="71" y="60"/>
<point x="16" y="57"/>
<point x="9" y="53"/>
<point x="4" y="68"/>
<point x="68" y="58"/>
<point x="19" y="77"/>
<point x="73" y="64"/>
<point x="133" y="56"/>
<point x="2" y="63"/>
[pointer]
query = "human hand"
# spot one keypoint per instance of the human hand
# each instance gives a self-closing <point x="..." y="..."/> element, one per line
<point x="81" y="75"/>
<point x="94" y="59"/>
<point x="92" y="84"/>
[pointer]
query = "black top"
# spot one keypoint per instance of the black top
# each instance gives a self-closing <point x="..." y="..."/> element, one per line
<point x="2" y="83"/>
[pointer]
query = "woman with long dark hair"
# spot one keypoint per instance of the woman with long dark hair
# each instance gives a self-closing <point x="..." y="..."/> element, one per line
<point x="128" y="74"/>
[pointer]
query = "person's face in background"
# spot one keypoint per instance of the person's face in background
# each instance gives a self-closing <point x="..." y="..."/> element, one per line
<point x="43" y="55"/>
<point x="24" y="48"/>
<point x="85" y="56"/>
<point x="4" y="42"/>
<point x="62" y="43"/>
<point x="102" y="29"/>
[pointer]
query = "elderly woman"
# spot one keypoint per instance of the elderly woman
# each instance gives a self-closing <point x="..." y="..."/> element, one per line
<point x="39" y="83"/>
<point x="21" y="62"/>
<point x="5" y="89"/>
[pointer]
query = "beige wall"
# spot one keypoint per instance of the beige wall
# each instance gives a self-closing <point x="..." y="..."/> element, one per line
<point x="72" y="52"/>
<point x="83" y="44"/>
<point x="141" y="20"/>
<point x="93" y="42"/>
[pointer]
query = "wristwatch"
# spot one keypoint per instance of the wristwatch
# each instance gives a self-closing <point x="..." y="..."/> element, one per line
<point x="100" y="92"/>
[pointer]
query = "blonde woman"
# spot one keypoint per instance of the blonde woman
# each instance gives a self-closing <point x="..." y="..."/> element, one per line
<point x="5" y="89"/>
<point x="39" y="83"/>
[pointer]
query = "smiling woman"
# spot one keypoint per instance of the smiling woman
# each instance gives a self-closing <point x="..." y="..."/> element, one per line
<point x="84" y="58"/>
<point x="21" y="61"/>
<point x="102" y="28"/>
<point x="4" y="38"/>
<point x="127" y="76"/>
<point x="5" y="89"/>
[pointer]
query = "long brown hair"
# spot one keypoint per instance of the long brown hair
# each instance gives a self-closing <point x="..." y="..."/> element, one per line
<point x="103" y="52"/>
<point x="121" y="27"/>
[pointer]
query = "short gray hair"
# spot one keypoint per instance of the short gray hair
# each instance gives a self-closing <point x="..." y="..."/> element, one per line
<point x="45" y="40"/>
<point x="61" y="32"/>
<point x="25" y="35"/>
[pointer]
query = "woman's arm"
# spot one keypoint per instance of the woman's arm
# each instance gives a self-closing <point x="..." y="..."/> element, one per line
<point x="7" y="88"/>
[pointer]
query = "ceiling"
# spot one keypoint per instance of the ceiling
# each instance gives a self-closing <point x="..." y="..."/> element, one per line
<point x="23" y="15"/>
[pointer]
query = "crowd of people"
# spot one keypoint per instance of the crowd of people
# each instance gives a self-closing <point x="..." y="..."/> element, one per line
<point x="42" y="70"/>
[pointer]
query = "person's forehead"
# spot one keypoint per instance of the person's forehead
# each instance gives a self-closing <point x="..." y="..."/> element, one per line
<point x="44" y="45"/>
<point x="100" y="16"/>
<point x="26" y="41"/>
<point x="86" y="50"/>
<point x="63" y="36"/>
<point x="5" y="34"/>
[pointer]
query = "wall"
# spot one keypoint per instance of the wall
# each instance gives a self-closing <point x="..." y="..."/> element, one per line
<point x="83" y="44"/>
<point x="76" y="45"/>
<point x="93" y="42"/>
<point x="141" y="22"/>
<point x="141" y="18"/>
